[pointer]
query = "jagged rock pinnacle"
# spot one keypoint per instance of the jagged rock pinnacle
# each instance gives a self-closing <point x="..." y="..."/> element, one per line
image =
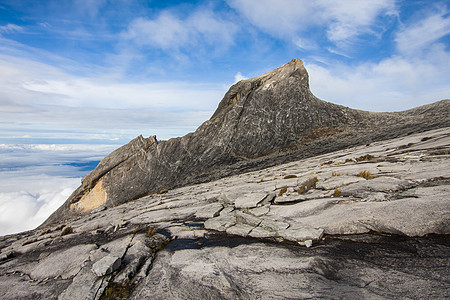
<point x="260" y="122"/>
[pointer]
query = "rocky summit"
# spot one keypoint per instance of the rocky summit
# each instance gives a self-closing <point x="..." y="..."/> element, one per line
<point x="278" y="196"/>
<point x="261" y="122"/>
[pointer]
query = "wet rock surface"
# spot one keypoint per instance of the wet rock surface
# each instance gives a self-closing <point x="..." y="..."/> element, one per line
<point x="373" y="222"/>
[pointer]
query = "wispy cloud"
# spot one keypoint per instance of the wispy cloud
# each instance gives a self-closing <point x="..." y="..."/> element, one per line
<point x="9" y="28"/>
<point x="46" y="97"/>
<point x="168" y="31"/>
<point x="392" y="84"/>
<point x="294" y="19"/>
<point x="417" y="36"/>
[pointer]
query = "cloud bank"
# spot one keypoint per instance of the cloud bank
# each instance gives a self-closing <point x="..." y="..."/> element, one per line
<point x="36" y="179"/>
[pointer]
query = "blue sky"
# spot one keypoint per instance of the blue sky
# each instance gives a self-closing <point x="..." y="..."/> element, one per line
<point x="97" y="71"/>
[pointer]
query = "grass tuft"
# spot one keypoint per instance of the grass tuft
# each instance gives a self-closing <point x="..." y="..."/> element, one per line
<point x="307" y="185"/>
<point x="117" y="291"/>
<point x="337" y="193"/>
<point x="365" y="174"/>
<point x="150" y="232"/>
<point x="366" y="157"/>
<point x="335" y="173"/>
<point x="283" y="190"/>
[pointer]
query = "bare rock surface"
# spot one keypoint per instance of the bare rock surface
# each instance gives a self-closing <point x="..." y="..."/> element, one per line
<point x="379" y="238"/>
<point x="261" y="122"/>
<point x="278" y="196"/>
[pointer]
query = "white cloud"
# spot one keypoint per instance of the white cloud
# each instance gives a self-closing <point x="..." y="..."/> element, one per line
<point x="36" y="179"/>
<point x="23" y="210"/>
<point x="49" y="98"/>
<point x="168" y="31"/>
<point x="418" y="36"/>
<point x="9" y="28"/>
<point x="239" y="77"/>
<point x="395" y="83"/>
<point x="295" y="18"/>
<point x="352" y="18"/>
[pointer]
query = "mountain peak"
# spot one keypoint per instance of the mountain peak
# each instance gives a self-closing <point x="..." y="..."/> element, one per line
<point x="291" y="75"/>
<point x="263" y="121"/>
<point x="294" y="68"/>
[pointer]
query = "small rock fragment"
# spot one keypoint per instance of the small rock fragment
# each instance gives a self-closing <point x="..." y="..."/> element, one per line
<point x="240" y="229"/>
<point x="220" y="223"/>
<point x="249" y="200"/>
<point x="261" y="233"/>
<point x="301" y="234"/>
<point x="242" y="217"/>
<point x="209" y="211"/>
<point x="106" y="265"/>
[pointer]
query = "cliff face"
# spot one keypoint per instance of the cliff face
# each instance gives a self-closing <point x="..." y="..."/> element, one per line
<point x="260" y="122"/>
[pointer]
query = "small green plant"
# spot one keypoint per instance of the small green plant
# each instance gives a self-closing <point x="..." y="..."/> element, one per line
<point x="365" y="174"/>
<point x="366" y="157"/>
<point x="307" y="185"/>
<point x="150" y="232"/>
<point x="67" y="230"/>
<point x="348" y="160"/>
<point x="335" y="173"/>
<point x="337" y="193"/>
<point x="290" y="176"/>
<point x="117" y="291"/>
<point x="283" y="190"/>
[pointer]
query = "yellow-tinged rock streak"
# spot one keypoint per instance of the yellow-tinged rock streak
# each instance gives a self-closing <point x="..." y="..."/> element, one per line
<point x="93" y="199"/>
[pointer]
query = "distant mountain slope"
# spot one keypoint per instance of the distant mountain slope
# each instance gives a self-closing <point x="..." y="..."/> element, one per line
<point x="260" y="122"/>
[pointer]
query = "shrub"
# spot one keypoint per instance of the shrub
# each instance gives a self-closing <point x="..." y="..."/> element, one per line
<point x="365" y="174"/>
<point x="365" y="158"/>
<point x="67" y="230"/>
<point x="307" y="185"/>
<point x="117" y="291"/>
<point x="335" y="173"/>
<point x="282" y="191"/>
<point x="336" y="193"/>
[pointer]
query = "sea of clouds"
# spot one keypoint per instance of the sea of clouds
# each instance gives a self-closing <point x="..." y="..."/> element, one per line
<point x="36" y="179"/>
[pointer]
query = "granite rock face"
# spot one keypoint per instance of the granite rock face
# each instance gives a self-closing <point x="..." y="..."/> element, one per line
<point x="278" y="196"/>
<point x="261" y="122"/>
<point x="381" y="236"/>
